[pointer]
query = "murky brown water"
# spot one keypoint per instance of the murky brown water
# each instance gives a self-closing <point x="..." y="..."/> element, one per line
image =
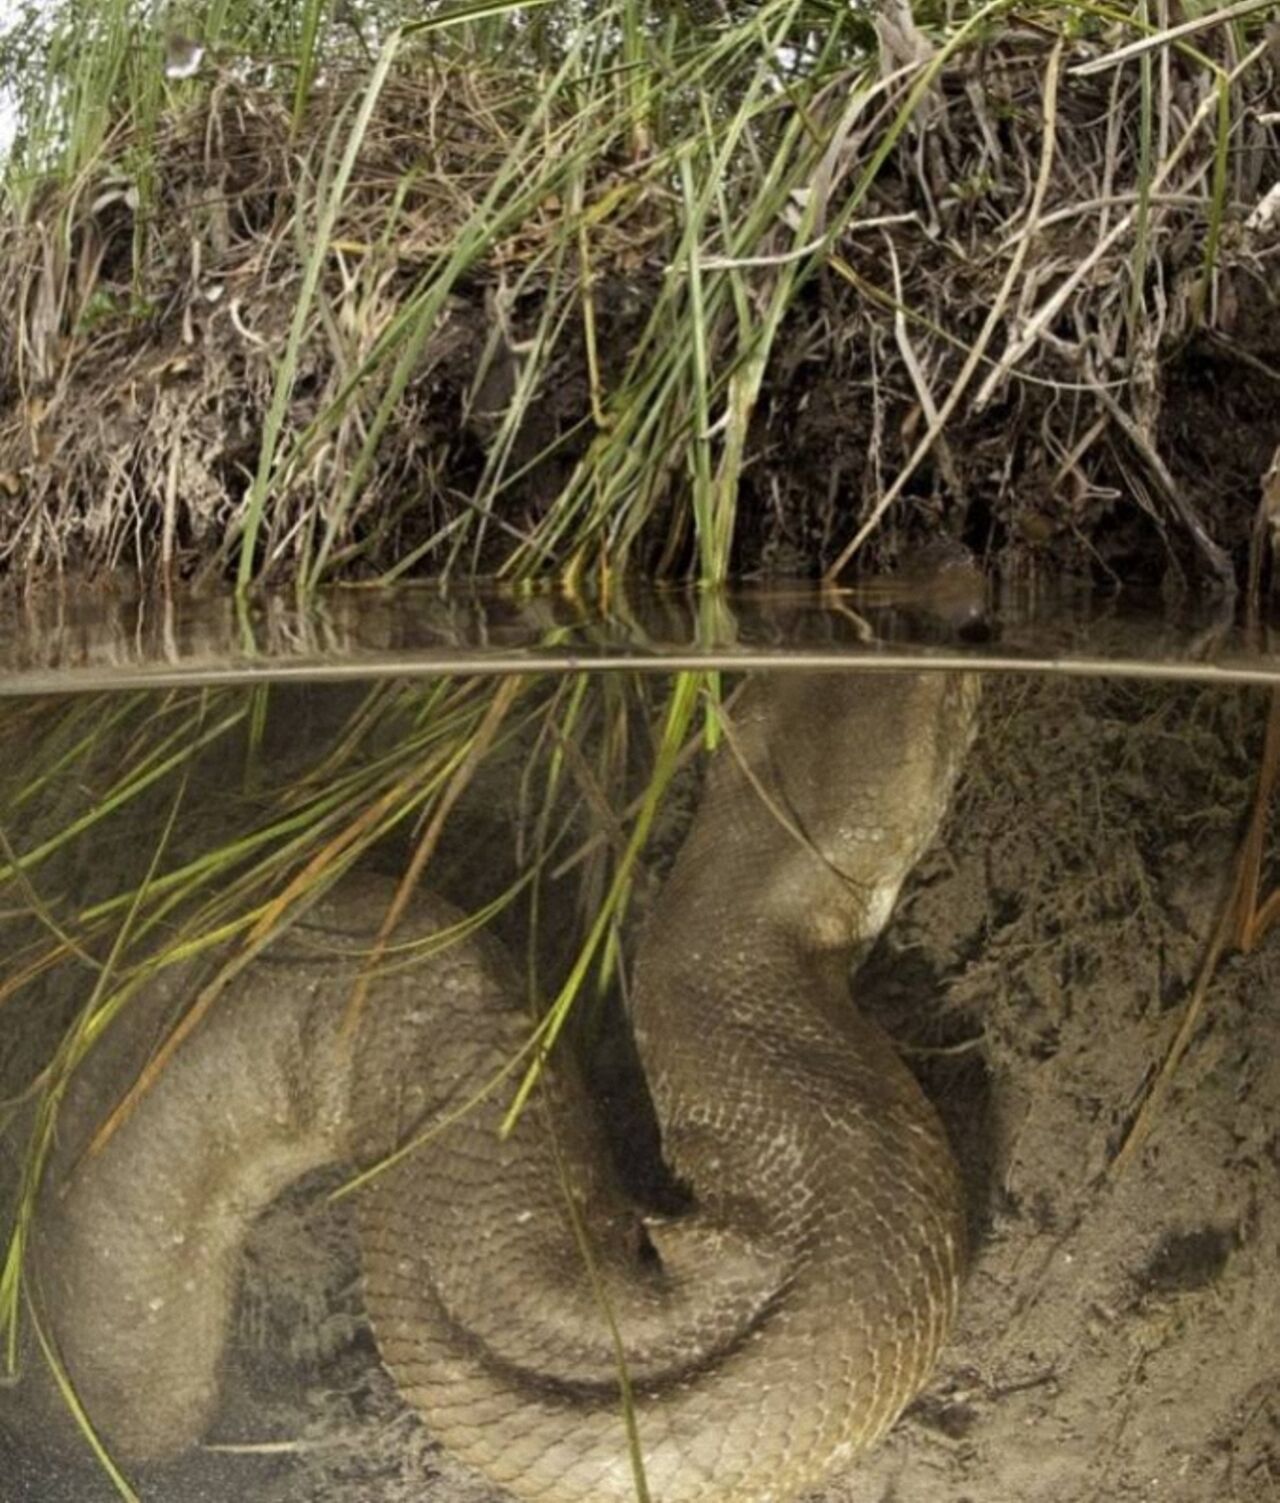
<point x="1117" y="1329"/>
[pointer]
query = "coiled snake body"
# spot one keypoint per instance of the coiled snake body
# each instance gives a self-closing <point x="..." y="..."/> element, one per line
<point x="771" y="1332"/>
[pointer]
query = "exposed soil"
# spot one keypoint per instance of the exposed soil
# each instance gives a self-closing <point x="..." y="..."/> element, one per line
<point x="1118" y="1337"/>
<point x="1119" y="1333"/>
<point x="1128" y="437"/>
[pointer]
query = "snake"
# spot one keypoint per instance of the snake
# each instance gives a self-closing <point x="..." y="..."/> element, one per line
<point x="568" y="1342"/>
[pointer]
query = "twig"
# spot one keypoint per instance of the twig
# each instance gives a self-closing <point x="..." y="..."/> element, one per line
<point x="1036" y="326"/>
<point x="1171" y="34"/>
<point x="1218" y="559"/>
<point x="1263" y="538"/>
<point x="924" y="394"/>
<point x="975" y="355"/>
<point x="1241" y="924"/>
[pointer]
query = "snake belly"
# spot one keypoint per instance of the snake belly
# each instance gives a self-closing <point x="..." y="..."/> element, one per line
<point x="771" y="1332"/>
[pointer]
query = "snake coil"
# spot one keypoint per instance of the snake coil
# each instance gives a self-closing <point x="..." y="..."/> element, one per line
<point x="770" y="1333"/>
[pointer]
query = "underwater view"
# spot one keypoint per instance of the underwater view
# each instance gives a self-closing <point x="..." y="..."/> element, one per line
<point x="611" y="1085"/>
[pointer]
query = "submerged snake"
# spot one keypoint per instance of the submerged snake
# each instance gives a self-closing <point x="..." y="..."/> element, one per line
<point x="771" y="1331"/>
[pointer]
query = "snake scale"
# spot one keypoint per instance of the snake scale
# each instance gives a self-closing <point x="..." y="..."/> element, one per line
<point x="771" y="1331"/>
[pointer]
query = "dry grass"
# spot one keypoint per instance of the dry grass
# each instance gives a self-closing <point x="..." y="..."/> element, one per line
<point x="677" y="309"/>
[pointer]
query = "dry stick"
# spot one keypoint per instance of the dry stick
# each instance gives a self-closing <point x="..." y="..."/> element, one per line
<point x="1172" y="34"/>
<point x="485" y="732"/>
<point x="975" y="355"/>
<point x="1053" y="305"/>
<point x="1252" y="920"/>
<point x="1071" y="460"/>
<point x="1263" y="538"/>
<point x="1218" y="559"/>
<point x="907" y="350"/>
<point x="1255" y="923"/>
<point x="170" y="525"/>
<point x="1240" y="923"/>
<point x="1085" y="206"/>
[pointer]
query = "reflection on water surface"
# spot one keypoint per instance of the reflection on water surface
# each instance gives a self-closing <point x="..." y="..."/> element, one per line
<point x="96" y="638"/>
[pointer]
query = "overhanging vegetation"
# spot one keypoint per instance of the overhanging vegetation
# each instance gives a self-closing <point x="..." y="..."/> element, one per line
<point x="556" y="292"/>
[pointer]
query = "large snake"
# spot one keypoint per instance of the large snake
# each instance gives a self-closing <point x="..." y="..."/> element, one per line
<point x="770" y="1332"/>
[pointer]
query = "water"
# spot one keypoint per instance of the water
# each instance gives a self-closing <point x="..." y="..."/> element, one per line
<point x="1117" y="1328"/>
<point x="97" y="639"/>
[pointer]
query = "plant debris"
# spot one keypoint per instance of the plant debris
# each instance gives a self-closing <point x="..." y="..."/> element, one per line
<point x="1011" y="288"/>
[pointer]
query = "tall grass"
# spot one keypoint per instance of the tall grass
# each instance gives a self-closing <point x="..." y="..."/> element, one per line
<point x="709" y="171"/>
<point x="190" y="866"/>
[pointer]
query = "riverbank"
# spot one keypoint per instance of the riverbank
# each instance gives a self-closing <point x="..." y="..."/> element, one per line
<point x="743" y="300"/>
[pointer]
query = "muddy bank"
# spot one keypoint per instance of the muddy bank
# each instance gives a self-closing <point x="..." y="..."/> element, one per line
<point x="996" y="296"/>
<point x="1118" y="1334"/>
